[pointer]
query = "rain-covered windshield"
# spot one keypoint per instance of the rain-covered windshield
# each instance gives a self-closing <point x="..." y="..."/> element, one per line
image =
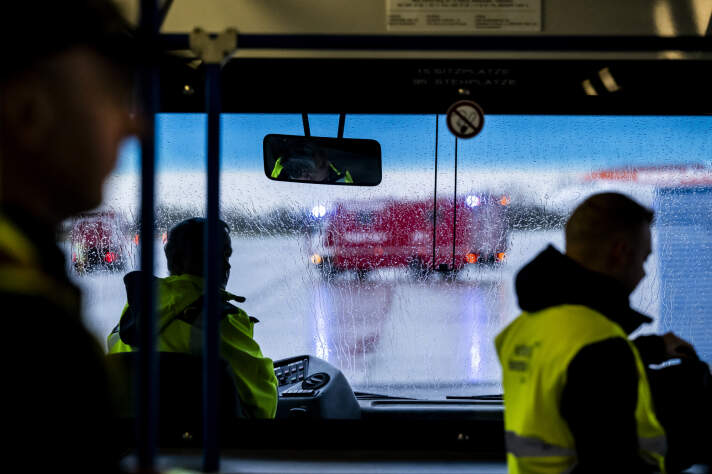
<point x="370" y="279"/>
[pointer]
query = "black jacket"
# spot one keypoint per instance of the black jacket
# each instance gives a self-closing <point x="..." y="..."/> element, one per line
<point x="601" y="392"/>
<point x="58" y="408"/>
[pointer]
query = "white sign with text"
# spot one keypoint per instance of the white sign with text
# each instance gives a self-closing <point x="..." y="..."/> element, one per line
<point x="463" y="15"/>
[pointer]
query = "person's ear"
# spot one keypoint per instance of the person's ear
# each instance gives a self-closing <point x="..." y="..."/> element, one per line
<point x="29" y="115"/>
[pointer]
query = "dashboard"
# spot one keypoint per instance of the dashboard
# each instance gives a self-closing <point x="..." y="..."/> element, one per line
<point x="310" y="387"/>
<point x="321" y="426"/>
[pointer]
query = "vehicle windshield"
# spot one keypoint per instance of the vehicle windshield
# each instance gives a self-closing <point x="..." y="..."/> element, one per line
<point x="404" y="285"/>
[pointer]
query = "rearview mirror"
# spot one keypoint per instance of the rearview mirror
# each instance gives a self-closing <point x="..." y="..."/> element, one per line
<point x="320" y="160"/>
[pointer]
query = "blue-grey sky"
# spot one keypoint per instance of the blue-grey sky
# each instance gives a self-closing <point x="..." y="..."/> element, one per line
<point x="408" y="141"/>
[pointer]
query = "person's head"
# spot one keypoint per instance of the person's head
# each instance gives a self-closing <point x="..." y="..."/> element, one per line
<point x="610" y="233"/>
<point x="184" y="248"/>
<point x="297" y="167"/>
<point x="320" y="158"/>
<point x="65" y="89"/>
<point x="320" y="171"/>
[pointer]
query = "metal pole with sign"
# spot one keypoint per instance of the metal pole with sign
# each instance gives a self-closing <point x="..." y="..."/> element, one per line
<point x="213" y="50"/>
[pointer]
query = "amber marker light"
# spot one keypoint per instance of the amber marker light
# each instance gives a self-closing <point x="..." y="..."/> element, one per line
<point x="505" y="201"/>
<point x="316" y="259"/>
<point x="501" y="256"/>
<point x="472" y="258"/>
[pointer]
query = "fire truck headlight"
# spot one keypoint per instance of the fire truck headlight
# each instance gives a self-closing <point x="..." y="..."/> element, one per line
<point x="318" y="211"/>
<point x="472" y="200"/>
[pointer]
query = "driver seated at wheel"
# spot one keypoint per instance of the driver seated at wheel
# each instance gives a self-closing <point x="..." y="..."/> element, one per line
<point x="179" y="314"/>
<point x="314" y="167"/>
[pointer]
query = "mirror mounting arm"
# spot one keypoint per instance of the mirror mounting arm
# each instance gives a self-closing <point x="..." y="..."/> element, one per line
<point x="342" y="124"/>
<point x="307" y="131"/>
<point x="305" y="124"/>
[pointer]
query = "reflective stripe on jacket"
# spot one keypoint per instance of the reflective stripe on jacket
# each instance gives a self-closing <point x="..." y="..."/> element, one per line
<point x="346" y="178"/>
<point x="278" y="167"/>
<point x="535" y="351"/>
<point x="179" y="314"/>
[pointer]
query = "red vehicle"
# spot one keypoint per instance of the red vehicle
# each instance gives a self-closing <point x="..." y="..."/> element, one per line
<point x="366" y="236"/>
<point x="98" y="242"/>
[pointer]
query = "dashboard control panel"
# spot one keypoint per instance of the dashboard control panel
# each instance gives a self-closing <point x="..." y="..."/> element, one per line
<point x="311" y="387"/>
<point x="292" y="372"/>
<point x="298" y="391"/>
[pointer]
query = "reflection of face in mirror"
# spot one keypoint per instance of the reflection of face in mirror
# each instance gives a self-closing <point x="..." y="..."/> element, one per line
<point x="324" y="171"/>
<point x="293" y="167"/>
<point x="322" y="160"/>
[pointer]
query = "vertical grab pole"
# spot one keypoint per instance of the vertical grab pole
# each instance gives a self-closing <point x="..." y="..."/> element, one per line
<point x="435" y="189"/>
<point x="454" y="212"/>
<point x="147" y="373"/>
<point x="213" y="266"/>
<point x="213" y="50"/>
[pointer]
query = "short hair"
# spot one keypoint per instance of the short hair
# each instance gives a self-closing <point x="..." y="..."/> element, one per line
<point x="294" y="167"/>
<point x="36" y="30"/>
<point x="184" y="247"/>
<point x="604" y="216"/>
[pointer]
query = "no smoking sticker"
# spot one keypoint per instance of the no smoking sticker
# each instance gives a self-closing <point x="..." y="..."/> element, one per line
<point x="465" y="119"/>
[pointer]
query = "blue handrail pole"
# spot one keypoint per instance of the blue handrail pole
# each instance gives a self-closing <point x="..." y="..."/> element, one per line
<point x="147" y="373"/>
<point x="214" y="243"/>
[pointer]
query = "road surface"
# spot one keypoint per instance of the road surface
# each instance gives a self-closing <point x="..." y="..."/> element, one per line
<point x="389" y="333"/>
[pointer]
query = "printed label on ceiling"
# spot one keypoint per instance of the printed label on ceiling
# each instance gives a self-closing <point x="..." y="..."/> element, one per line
<point x="463" y="15"/>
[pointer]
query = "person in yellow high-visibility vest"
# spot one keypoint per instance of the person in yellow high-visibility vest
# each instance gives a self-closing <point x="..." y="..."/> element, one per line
<point x="318" y="169"/>
<point x="577" y="395"/>
<point x="180" y="318"/>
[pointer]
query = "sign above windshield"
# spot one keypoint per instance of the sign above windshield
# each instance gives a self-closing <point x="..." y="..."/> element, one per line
<point x="320" y="160"/>
<point x="463" y="15"/>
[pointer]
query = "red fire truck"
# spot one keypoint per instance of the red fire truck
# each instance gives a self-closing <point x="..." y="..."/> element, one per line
<point x="364" y="236"/>
<point x="98" y="242"/>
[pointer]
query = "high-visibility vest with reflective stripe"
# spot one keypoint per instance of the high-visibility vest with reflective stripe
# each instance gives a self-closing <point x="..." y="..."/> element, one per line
<point x="254" y="373"/>
<point x="535" y="351"/>
<point x="347" y="176"/>
<point x="278" y="167"/>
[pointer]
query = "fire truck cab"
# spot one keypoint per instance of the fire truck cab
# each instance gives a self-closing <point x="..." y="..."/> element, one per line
<point x="408" y="234"/>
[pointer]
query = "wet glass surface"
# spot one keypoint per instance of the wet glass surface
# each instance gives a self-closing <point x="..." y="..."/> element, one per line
<point x="347" y="274"/>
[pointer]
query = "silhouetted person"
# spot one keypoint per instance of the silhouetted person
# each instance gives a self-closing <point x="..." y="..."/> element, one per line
<point x="311" y="165"/>
<point x="324" y="170"/>
<point x="577" y="391"/>
<point x="64" y="85"/>
<point x="179" y="311"/>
